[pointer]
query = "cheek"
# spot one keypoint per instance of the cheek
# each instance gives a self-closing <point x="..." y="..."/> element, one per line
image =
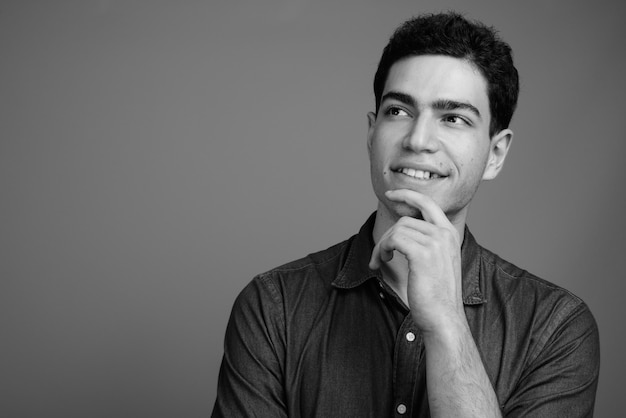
<point x="377" y="156"/>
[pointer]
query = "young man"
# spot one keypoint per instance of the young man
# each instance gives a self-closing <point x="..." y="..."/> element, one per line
<point x="411" y="317"/>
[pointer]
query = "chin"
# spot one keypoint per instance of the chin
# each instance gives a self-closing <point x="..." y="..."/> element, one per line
<point x="402" y="209"/>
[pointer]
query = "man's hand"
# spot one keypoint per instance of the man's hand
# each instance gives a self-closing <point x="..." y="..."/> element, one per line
<point x="458" y="384"/>
<point x="432" y="248"/>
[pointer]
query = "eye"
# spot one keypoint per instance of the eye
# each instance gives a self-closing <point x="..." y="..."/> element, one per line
<point x="456" y="120"/>
<point x="395" y="111"/>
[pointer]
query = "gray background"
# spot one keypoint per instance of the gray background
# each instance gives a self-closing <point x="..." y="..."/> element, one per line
<point x="155" y="155"/>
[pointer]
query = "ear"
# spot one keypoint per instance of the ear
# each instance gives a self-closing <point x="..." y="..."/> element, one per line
<point x="371" y="120"/>
<point x="498" y="149"/>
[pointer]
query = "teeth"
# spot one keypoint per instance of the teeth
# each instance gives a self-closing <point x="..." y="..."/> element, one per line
<point x="419" y="174"/>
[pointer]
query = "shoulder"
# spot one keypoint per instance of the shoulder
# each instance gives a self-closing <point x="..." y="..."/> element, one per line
<point x="535" y="307"/>
<point x="312" y="274"/>
<point x="540" y="341"/>
<point x="329" y="258"/>
<point x="505" y="279"/>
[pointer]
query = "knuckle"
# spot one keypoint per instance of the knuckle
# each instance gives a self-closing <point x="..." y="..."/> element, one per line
<point x="404" y="221"/>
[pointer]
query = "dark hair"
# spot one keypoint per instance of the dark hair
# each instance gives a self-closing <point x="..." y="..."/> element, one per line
<point x="452" y="35"/>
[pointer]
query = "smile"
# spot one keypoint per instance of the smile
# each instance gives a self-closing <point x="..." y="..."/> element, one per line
<point x="419" y="174"/>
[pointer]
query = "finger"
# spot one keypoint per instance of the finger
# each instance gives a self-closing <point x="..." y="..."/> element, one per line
<point x="420" y="228"/>
<point x="398" y="238"/>
<point x="376" y="258"/>
<point x="430" y="210"/>
<point x="380" y="254"/>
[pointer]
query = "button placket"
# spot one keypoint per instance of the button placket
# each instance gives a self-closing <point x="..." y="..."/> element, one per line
<point x="406" y="366"/>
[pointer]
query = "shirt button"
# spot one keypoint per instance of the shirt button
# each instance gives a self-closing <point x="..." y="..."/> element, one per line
<point x="410" y="337"/>
<point x="401" y="409"/>
<point x="381" y="295"/>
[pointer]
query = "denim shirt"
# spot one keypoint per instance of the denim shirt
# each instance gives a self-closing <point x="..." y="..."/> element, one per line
<point x="325" y="336"/>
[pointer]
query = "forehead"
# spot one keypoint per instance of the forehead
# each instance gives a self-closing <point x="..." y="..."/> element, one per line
<point x="429" y="78"/>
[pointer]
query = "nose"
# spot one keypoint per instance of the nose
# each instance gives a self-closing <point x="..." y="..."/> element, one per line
<point x="421" y="137"/>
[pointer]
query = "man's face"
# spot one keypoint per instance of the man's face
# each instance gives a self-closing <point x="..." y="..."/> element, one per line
<point x="431" y="135"/>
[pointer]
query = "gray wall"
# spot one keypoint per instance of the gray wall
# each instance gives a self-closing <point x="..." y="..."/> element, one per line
<point x="155" y="155"/>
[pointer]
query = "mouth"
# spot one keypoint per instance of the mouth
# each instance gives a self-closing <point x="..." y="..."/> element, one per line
<point x="419" y="174"/>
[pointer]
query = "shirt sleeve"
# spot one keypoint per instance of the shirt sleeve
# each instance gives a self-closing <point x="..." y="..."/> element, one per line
<point x="250" y="382"/>
<point x="561" y="380"/>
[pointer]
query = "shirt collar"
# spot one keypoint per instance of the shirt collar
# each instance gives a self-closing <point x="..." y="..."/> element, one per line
<point x="356" y="271"/>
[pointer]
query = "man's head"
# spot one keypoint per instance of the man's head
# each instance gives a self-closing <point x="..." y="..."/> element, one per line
<point x="445" y="93"/>
<point x="452" y="35"/>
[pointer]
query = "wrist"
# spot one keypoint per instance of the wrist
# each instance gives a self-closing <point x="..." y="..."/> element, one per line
<point x="447" y="333"/>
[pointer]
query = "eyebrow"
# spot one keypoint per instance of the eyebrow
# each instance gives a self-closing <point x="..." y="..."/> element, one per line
<point x="454" y="105"/>
<point x="401" y="97"/>
<point x="441" y="104"/>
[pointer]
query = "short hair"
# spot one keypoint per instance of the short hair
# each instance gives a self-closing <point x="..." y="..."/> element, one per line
<point x="452" y="35"/>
